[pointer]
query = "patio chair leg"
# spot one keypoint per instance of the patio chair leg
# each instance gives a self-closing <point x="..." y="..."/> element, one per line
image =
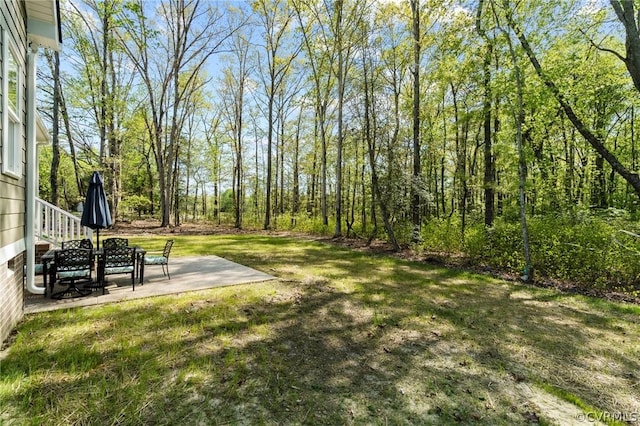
<point x="165" y="272"/>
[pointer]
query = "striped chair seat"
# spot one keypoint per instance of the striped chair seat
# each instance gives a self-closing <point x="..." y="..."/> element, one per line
<point x="155" y="260"/>
<point x="119" y="270"/>
<point x="74" y="274"/>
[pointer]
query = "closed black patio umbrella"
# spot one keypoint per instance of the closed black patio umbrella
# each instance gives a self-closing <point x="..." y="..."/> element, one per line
<point x="96" y="214"/>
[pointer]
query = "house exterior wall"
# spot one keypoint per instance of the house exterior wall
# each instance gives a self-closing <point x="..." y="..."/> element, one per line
<point x="11" y="296"/>
<point x="12" y="189"/>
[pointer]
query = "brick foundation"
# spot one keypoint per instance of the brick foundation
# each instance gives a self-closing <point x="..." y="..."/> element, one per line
<point x="11" y="295"/>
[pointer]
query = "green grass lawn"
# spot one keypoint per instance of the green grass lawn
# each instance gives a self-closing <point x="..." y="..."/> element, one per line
<point x="342" y="337"/>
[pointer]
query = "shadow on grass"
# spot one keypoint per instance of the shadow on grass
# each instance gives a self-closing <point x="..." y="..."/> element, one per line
<point x="345" y="337"/>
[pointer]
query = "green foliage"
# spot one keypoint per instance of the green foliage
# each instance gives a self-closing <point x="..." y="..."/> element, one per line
<point x="590" y="251"/>
<point x="499" y="246"/>
<point x="226" y="201"/>
<point x="314" y="225"/>
<point x="45" y="156"/>
<point x="134" y="204"/>
<point x="69" y="195"/>
<point x="443" y="235"/>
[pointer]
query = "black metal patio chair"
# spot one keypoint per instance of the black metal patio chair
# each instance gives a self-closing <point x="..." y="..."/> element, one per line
<point x="72" y="266"/>
<point x="160" y="259"/>
<point x="115" y="242"/>
<point x="84" y="243"/>
<point x="117" y="260"/>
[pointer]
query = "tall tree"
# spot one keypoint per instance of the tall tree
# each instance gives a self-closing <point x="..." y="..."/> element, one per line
<point x="235" y="82"/>
<point x="275" y="17"/>
<point x="321" y="59"/>
<point x="388" y="109"/>
<point x="106" y="81"/>
<point x="417" y="162"/>
<point x="370" y="138"/>
<point x="489" y="168"/>
<point x="345" y="33"/>
<point x="54" y="63"/>
<point x="519" y="121"/>
<point x="170" y="53"/>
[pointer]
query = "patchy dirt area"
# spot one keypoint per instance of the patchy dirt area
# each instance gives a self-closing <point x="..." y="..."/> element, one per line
<point x="559" y="411"/>
<point x="152" y="227"/>
<point x="138" y="227"/>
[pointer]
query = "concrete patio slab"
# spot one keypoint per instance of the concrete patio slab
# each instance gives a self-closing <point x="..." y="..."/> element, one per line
<point x="187" y="274"/>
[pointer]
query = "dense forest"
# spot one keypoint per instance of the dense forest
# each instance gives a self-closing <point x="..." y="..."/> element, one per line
<point x="498" y="130"/>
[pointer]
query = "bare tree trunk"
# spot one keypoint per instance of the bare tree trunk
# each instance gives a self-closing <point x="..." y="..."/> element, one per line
<point x="204" y="201"/>
<point x="363" y="187"/>
<point x="238" y="189"/>
<point x="370" y="137"/>
<point x="295" y="206"/>
<point x="55" y="144"/>
<point x="269" y="177"/>
<point x="461" y="162"/>
<point x="340" y="80"/>
<point x="489" y="167"/>
<point x="281" y="161"/>
<point x="323" y="165"/>
<point x="256" y="186"/>
<point x="415" y="197"/>
<point x="627" y="15"/>
<point x="527" y="275"/>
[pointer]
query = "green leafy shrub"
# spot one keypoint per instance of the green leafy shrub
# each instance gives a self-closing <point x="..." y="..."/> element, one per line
<point x="314" y="225"/>
<point x="576" y="252"/>
<point x="499" y="246"/>
<point x="135" y="205"/>
<point x="593" y="251"/>
<point x="443" y="235"/>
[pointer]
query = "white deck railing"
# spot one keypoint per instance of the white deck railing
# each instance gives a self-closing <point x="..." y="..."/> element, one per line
<point x="55" y="225"/>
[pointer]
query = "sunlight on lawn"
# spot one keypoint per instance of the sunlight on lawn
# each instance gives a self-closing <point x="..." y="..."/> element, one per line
<point x="342" y="337"/>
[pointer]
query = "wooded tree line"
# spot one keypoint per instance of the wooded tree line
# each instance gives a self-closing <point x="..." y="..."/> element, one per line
<point x="364" y="117"/>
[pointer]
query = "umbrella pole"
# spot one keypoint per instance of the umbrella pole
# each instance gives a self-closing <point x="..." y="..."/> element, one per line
<point x="98" y="238"/>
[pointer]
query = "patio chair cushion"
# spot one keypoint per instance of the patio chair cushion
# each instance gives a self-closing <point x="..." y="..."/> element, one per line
<point x="74" y="274"/>
<point x="155" y="260"/>
<point x="38" y="268"/>
<point x="119" y="270"/>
